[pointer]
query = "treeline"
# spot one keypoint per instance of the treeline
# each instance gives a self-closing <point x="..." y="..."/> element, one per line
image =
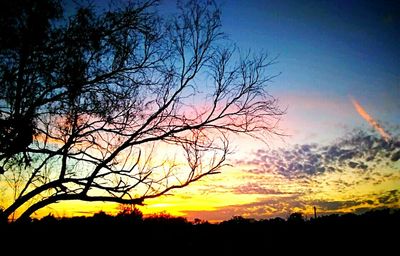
<point x="377" y="229"/>
<point x="135" y="216"/>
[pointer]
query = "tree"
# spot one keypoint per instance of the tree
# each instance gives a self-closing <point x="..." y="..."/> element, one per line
<point x="296" y="218"/>
<point x="89" y="99"/>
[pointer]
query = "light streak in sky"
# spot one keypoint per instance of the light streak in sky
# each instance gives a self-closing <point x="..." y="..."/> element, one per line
<point x="363" y="113"/>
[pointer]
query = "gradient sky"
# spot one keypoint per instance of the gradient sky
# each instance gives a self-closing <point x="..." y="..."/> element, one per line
<point x="331" y="53"/>
<point x="327" y="51"/>
<point x="334" y="56"/>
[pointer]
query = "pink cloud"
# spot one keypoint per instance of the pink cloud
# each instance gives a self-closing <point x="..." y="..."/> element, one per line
<point x="364" y="114"/>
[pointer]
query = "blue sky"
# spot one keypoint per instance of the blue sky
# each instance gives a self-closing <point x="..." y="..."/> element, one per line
<point x="328" y="50"/>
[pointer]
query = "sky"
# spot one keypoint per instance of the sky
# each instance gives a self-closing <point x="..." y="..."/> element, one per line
<point x="340" y="83"/>
<point x="328" y="51"/>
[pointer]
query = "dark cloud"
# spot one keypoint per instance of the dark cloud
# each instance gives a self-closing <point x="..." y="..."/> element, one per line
<point x="370" y="202"/>
<point x="353" y="164"/>
<point x="390" y="197"/>
<point x="336" y="205"/>
<point x="395" y="156"/>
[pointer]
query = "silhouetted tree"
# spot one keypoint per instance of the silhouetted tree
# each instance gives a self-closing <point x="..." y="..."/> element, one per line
<point x="296" y="218"/>
<point x="130" y="214"/>
<point x="198" y="221"/>
<point x="164" y="218"/>
<point x="87" y="97"/>
<point x="49" y="219"/>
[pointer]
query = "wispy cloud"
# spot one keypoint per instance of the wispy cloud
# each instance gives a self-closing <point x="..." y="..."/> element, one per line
<point x="364" y="114"/>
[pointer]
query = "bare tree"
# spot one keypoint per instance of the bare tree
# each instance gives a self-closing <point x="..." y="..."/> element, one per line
<point x="89" y="100"/>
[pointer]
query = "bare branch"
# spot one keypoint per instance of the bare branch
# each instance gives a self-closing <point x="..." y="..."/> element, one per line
<point x="124" y="105"/>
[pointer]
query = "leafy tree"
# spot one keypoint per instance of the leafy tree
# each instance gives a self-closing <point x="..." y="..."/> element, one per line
<point x="90" y="97"/>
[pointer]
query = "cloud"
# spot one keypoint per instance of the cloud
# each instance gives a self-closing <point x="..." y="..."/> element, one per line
<point x="254" y="188"/>
<point x="357" y="151"/>
<point x="363" y="113"/>
<point x="345" y="176"/>
<point x="335" y="205"/>
<point x="390" y="197"/>
<point x="263" y="208"/>
<point x="395" y="156"/>
<point x="283" y="206"/>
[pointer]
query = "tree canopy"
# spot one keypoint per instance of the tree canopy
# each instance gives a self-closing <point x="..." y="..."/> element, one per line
<point x="121" y="104"/>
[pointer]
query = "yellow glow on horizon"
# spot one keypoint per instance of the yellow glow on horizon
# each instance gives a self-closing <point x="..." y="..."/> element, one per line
<point x="217" y="193"/>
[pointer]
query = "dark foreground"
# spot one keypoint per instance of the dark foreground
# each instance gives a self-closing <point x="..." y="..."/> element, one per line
<point x="373" y="232"/>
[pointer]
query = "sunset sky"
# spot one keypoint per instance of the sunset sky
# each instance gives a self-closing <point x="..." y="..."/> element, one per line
<point x="340" y="84"/>
<point x="336" y="58"/>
